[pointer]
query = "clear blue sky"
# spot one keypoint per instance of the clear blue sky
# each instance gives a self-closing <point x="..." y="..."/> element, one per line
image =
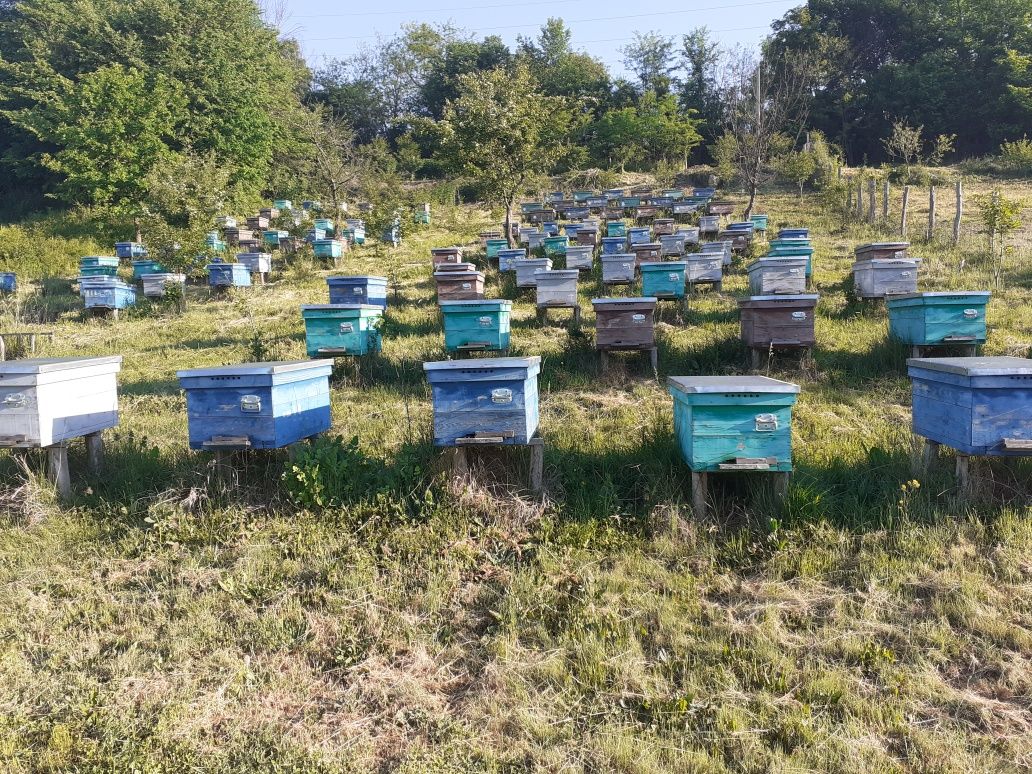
<point x="330" y="30"/>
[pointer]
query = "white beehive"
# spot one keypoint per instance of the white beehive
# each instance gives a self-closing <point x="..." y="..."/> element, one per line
<point x="556" y="288"/>
<point x="47" y="401"/>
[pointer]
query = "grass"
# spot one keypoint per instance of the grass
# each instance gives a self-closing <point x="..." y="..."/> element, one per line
<point x="350" y="612"/>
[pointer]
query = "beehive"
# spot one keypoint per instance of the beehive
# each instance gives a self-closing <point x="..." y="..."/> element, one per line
<point x="881" y="277"/>
<point x="476" y="325"/>
<point x="663" y="226"/>
<point x="663" y="279"/>
<point x="759" y="221"/>
<point x="618" y="269"/>
<point x="439" y="255"/>
<point x="639" y="235"/>
<point x="704" y="268"/>
<point x="98" y="261"/>
<point x="156" y="285"/>
<point x="8" y="282"/>
<point x="625" y="323"/>
<point x="257" y="405"/>
<point x="709" y="224"/>
<point x="778" y="320"/>
<point x="130" y="250"/>
<point x="613" y="245"/>
<point x="493" y="246"/>
<point x="459" y="285"/>
<point x="736" y="423"/>
<point x="496" y="398"/>
<point x="328" y="248"/>
<point x="360" y="289"/>
<point x="108" y="293"/>
<point x="525" y="271"/>
<point x="647" y="251"/>
<point x="580" y="257"/>
<point x="507" y="259"/>
<point x="258" y="223"/>
<point x="236" y="236"/>
<point x="51" y="400"/>
<point x="690" y="234"/>
<point x="672" y="244"/>
<point x="145" y="266"/>
<point x="557" y="287"/>
<point x="976" y="405"/>
<point x="555" y="246"/>
<point x="224" y="275"/>
<point x="925" y="319"/>
<point x="256" y="263"/>
<point x="882" y="250"/>
<point x="616" y="228"/>
<point x="720" y="207"/>
<point x="332" y="330"/>
<point x="777" y="275"/>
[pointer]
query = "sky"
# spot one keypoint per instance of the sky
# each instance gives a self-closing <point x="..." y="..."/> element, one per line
<point x="334" y="30"/>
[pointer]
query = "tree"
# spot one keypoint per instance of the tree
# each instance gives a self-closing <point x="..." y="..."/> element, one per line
<point x="501" y="132"/>
<point x="904" y="143"/>
<point x="700" y="57"/>
<point x="1000" y="216"/>
<point x="651" y="58"/>
<point x="563" y="72"/>
<point x="666" y="134"/>
<point x="332" y="162"/>
<point x="798" y="167"/>
<point x="767" y="103"/>
<point x="617" y="137"/>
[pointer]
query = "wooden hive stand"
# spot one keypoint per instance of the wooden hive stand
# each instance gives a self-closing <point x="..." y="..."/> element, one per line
<point x="701" y="480"/>
<point x="542" y="313"/>
<point x="967" y="346"/>
<point x="32" y="337"/>
<point x="460" y="459"/>
<point x="929" y="456"/>
<point x="57" y="459"/>
<point x="652" y="351"/>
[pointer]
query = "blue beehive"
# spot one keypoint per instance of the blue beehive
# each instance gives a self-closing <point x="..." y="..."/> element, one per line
<point x="759" y="221"/>
<point x="314" y="234"/>
<point x="130" y="250"/>
<point x="706" y="193"/>
<point x="664" y="279"/>
<point x="794" y="233"/>
<point x="613" y="245"/>
<point x="507" y="258"/>
<point x="550" y="228"/>
<point x="95" y="261"/>
<point x="923" y="319"/>
<point x="108" y="293"/>
<point x="582" y="196"/>
<point x="257" y="405"/>
<point x="476" y="325"/>
<point x="976" y="405"/>
<point x="283" y="204"/>
<point x="8" y="282"/>
<point x="225" y="275"/>
<point x="733" y="422"/>
<point x="358" y="290"/>
<point x="325" y="224"/>
<point x="332" y="330"/>
<point x="555" y="246"/>
<point x="628" y="202"/>
<point x="328" y="248"/>
<point x="613" y="193"/>
<point x="496" y="397"/>
<point x="570" y="230"/>
<point x="272" y="238"/>
<point x="639" y="235"/>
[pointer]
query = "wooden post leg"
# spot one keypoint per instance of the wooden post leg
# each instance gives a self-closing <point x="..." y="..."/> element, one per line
<point x="537" y="465"/>
<point x="700" y="494"/>
<point x="95" y="451"/>
<point x="224" y="472"/>
<point x="964" y="476"/>
<point x="542" y="315"/>
<point x="58" y="470"/>
<point x="460" y="464"/>
<point x="781" y="481"/>
<point x="915" y="351"/>
<point x="654" y="360"/>
<point x="929" y="455"/>
<point x="605" y="360"/>
<point x="576" y="316"/>
<point x="756" y="357"/>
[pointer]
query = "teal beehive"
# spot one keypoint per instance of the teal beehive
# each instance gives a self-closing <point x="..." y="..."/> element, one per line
<point x="493" y="246"/>
<point x="733" y="423"/>
<point x="476" y="325"/>
<point x="926" y="319"/>
<point x="663" y="279"/>
<point x="333" y="330"/>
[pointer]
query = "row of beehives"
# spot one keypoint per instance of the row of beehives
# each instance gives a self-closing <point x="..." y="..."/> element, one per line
<point x="977" y="406"/>
<point x="641" y="204"/>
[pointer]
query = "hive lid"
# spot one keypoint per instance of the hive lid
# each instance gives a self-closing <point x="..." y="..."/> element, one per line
<point x="618" y="301"/>
<point x="558" y="273"/>
<point x="883" y="246"/>
<point x="943" y="294"/>
<point x="619" y="257"/>
<point x="499" y="302"/>
<point x="784" y="297"/>
<point x="341" y="307"/>
<point x="45" y="365"/>
<point x="662" y="265"/>
<point x="271" y="368"/>
<point x="458" y="275"/>
<point x="744" y="383"/>
<point x="367" y="278"/>
<point x="974" y="366"/>
<point x="876" y="262"/>
<point x="250" y="255"/>
<point x="487" y="362"/>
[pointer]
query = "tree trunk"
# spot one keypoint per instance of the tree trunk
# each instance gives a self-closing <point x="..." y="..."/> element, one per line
<point x="139" y="235"/>
<point x="752" y="201"/>
<point x="508" y="223"/>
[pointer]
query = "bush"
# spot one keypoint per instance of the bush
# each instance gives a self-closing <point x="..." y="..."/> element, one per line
<point x="32" y="254"/>
<point x="1017" y="155"/>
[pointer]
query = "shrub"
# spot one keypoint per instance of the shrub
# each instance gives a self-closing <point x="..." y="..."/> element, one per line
<point x="1017" y="155"/>
<point x="32" y="254"/>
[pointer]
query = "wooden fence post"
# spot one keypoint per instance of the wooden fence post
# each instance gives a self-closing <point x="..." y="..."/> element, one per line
<point x="903" y="213"/>
<point x="849" y="198"/>
<point x="960" y="212"/>
<point x="886" y="190"/>
<point x="860" y="198"/>
<point x="872" y="199"/>
<point x="931" y="212"/>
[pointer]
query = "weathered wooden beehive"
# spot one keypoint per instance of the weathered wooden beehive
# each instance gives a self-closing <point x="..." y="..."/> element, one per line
<point x="777" y="275"/>
<point x="647" y="251"/>
<point x="625" y="323"/>
<point x="269" y="213"/>
<point x="637" y="235"/>
<point x="358" y="289"/>
<point x="48" y="401"/>
<point x="663" y="226"/>
<point x="882" y="250"/>
<point x="459" y="285"/>
<point x="690" y="234"/>
<point x="439" y="255"/>
<point x="334" y="330"/>
<point x="556" y="287"/>
<point x="508" y="258"/>
<point x="881" y="277"/>
<point x="618" y="269"/>
<point x="739" y="239"/>
<point x="709" y="224"/>
<point x="495" y="399"/>
<point x="778" y="321"/>
<point x="705" y="269"/>
<point x="157" y="285"/>
<point x="234" y="236"/>
<point x="646" y="212"/>
<point x="975" y="405"/>
<point x="932" y="319"/>
<point x="672" y="244"/>
<point x="525" y="271"/>
<point x="720" y="207"/>
<point x="464" y="266"/>
<point x="258" y="223"/>
<point x="663" y="279"/>
<point x="257" y="405"/>
<point x="580" y="257"/>
<point x="476" y="325"/>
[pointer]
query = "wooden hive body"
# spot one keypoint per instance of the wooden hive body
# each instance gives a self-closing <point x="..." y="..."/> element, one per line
<point x="332" y="330"/>
<point x="476" y="324"/>
<point x="778" y="320"/>
<point x="459" y="285"/>
<point x="258" y="405"/>
<point x="224" y="275"/>
<point x="358" y="290"/>
<point x="976" y="405"/>
<point x="625" y="323"/>
<point x="51" y="400"/>
<point x="938" y="318"/>
<point x="663" y="279"/>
